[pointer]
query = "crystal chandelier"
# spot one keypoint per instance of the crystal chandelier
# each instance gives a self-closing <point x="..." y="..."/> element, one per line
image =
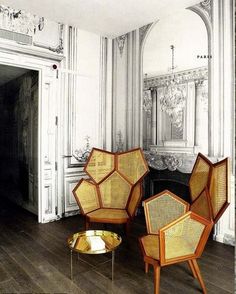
<point x="174" y="96"/>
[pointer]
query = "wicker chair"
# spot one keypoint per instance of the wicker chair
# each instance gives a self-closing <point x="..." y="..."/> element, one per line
<point x="176" y="234"/>
<point x="200" y="176"/>
<point x="218" y="186"/>
<point x="114" y="190"/>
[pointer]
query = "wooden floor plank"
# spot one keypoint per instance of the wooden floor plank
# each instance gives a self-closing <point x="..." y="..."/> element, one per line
<point x="17" y="272"/>
<point x="35" y="258"/>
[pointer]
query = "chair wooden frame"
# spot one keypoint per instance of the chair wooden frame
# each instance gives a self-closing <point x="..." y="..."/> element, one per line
<point x="210" y="183"/>
<point x="191" y="259"/>
<point x="227" y="200"/>
<point x="208" y="193"/>
<point x="133" y="198"/>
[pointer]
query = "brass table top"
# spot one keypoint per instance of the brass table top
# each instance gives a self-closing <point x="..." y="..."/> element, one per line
<point x="94" y="241"/>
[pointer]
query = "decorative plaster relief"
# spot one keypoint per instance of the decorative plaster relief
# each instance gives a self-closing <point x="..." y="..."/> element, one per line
<point x="147" y="101"/>
<point x="165" y="161"/>
<point x="203" y="8"/>
<point x="143" y="31"/>
<point x="19" y="21"/>
<point x="82" y="154"/>
<point x="60" y="47"/>
<point x="182" y="76"/>
<point x="121" y="43"/>
<point x="202" y="91"/>
<point x="206" y="5"/>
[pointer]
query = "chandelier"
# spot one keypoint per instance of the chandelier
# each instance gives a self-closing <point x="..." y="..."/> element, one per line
<point x="174" y="96"/>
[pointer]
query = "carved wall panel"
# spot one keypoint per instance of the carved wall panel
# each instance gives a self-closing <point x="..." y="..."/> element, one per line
<point x="126" y="121"/>
<point x="48" y="145"/>
<point x="84" y="77"/>
<point x="40" y="31"/>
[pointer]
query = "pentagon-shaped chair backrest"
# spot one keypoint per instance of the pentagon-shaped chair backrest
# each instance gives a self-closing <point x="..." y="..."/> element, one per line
<point x="202" y="205"/>
<point x="86" y="195"/>
<point x="132" y="165"/>
<point x="161" y="209"/>
<point x="200" y="176"/>
<point x="114" y="191"/>
<point x="219" y="188"/>
<point x="100" y="164"/>
<point x="186" y="237"/>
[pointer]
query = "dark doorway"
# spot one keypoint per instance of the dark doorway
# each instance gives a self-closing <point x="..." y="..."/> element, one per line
<point x="18" y="136"/>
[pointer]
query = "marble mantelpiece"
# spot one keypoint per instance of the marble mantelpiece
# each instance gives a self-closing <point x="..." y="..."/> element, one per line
<point x="182" y="162"/>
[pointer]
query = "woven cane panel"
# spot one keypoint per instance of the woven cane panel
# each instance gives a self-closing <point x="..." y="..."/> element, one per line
<point x="218" y="188"/>
<point x="86" y="195"/>
<point x="109" y="214"/>
<point x="100" y="165"/>
<point x="199" y="178"/>
<point x="132" y="165"/>
<point x="201" y="206"/>
<point x="182" y="238"/>
<point x="115" y="191"/>
<point x="161" y="211"/>
<point x="134" y="199"/>
<point x="151" y="245"/>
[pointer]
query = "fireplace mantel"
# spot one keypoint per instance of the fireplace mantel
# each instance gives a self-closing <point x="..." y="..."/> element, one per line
<point x="182" y="162"/>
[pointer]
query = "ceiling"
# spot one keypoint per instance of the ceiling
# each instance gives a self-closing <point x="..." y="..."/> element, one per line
<point x="8" y="73"/>
<point x="109" y="18"/>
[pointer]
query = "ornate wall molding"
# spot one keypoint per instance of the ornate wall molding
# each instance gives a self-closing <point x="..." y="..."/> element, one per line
<point x="60" y="47"/>
<point x="204" y="10"/>
<point x="206" y="5"/>
<point x="143" y="31"/>
<point x="121" y="43"/>
<point x="19" y="21"/>
<point x="185" y="76"/>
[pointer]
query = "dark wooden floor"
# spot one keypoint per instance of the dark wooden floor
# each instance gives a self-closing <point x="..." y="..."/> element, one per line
<point x="34" y="258"/>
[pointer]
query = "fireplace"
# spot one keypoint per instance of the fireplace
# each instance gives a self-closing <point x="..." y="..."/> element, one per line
<point x="174" y="181"/>
<point x="168" y="171"/>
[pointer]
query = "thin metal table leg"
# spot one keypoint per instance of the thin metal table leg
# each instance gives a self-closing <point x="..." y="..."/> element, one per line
<point x="112" y="264"/>
<point x="71" y="264"/>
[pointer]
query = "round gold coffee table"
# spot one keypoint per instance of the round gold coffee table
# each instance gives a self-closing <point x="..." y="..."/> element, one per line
<point x="94" y="242"/>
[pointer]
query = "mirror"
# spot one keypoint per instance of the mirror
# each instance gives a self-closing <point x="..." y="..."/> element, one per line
<point x="175" y="85"/>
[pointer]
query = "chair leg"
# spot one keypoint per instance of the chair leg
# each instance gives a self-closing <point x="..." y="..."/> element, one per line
<point x="86" y="224"/>
<point x="146" y="267"/>
<point x="157" y="270"/>
<point x="199" y="276"/>
<point x="192" y="268"/>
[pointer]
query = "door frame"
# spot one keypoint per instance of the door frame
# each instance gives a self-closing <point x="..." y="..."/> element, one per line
<point x="42" y="63"/>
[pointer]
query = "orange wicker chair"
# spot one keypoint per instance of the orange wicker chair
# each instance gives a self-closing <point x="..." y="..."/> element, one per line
<point x="172" y="238"/>
<point x="176" y="234"/>
<point x="114" y="190"/>
<point x="218" y="186"/>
